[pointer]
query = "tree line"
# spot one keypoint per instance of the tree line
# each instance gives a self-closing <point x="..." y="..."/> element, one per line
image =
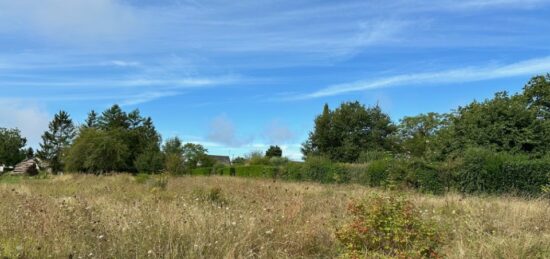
<point x="498" y="144"/>
<point x="501" y="144"/>
<point x="518" y="124"/>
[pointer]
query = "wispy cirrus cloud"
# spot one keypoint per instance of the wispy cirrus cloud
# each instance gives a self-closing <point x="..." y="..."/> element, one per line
<point x="469" y="74"/>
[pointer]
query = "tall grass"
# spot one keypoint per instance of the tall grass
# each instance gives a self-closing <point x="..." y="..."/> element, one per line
<point x="226" y="217"/>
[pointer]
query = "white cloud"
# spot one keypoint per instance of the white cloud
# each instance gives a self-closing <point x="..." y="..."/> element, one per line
<point x="30" y="118"/>
<point x="122" y="63"/>
<point x="222" y="130"/>
<point x="71" y="21"/>
<point x="469" y="74"/>
<point x="277" y="133"/>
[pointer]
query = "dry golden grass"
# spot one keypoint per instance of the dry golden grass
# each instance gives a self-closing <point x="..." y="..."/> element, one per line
<point x="82" y="216"/>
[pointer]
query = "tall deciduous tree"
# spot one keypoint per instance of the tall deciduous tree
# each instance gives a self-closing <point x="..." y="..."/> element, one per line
<point x="11" y="146"/>
<point x="417" y="134"/>
<point x="56" y="140"/>
<point x="195" y="155"/>
<point x="344" y="133"/>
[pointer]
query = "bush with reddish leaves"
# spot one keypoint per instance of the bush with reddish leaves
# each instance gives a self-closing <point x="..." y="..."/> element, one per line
<point x="386" y="226"/>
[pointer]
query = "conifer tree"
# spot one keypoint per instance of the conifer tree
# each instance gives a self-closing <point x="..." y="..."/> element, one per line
<point x="60" y="134"/>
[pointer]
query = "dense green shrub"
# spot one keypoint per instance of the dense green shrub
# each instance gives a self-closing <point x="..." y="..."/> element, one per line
<point x="142" y="178"/>
<point x="425" y="177"/>
<point x="377" y="172"/>
<point x="321" y="169"/>
<point x="260" y="171"/>
<point x="257" y="158"/>
<point x="482" y="170"/>
<point x="525" y="177"/>
<point x="388" y="227"/>
<point x="202" y="171"/>
<point x="150" y="161"/>
<point x="293" y="171"/>
<point x="219" y="169"/>
<point x="487" y="171"/>
<point x="278" y="161"/>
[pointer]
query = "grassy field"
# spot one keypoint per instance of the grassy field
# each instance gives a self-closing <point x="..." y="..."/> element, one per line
<point x="83" y="216"/>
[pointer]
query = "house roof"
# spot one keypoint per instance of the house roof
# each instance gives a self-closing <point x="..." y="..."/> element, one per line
<point x="221" y="159"/>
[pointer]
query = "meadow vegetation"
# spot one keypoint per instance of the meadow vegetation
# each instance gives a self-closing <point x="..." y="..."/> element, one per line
<point x="159" y="216"/>
<point x="471" y="183"/>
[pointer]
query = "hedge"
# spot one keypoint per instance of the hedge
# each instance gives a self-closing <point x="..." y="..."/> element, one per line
<point x="485" y="171"/>
<point x="478" y="171"/>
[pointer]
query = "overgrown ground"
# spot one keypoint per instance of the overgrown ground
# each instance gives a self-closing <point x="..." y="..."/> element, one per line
<point x="83" y="216"/>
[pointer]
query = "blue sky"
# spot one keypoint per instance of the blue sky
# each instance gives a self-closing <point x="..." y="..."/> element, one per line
<point x="240" y="75"/>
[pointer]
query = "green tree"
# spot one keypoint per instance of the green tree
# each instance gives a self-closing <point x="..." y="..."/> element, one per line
<point x="91" y="120"/>
<point x="11" y="146"/>
<point x="417" y="134"/>
<point x="195" y="155"/>
<point x="503" y="123"/>
<point x="274" y="151"/>
<point x="537" y="94"/>
<point x="320" y="139"/>
<point x="98" y="151"/>
<point x="345" y="132"/>
<point x="56" y="140"/>
<point x="173" y="146"/>
<point x="113" y="118"/>
<point x="173" y="152"/>
<point x="150" y="161"/>
<point x="136" y="142"/>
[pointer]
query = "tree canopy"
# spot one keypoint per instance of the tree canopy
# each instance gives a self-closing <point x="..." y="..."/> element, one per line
<point x="274" y="151"/>
<point x="347" y="131"/>
<point x="116" y="141"/>
<point x="11" y="146"/>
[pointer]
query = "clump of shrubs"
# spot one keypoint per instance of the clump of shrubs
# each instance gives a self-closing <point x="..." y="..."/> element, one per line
<point x="384" y="226"/>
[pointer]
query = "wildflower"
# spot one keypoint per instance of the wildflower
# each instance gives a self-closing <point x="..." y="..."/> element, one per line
<point x="233" y="223"/>
<point x="269" y="232"/>
<point x="150" y="252"/>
